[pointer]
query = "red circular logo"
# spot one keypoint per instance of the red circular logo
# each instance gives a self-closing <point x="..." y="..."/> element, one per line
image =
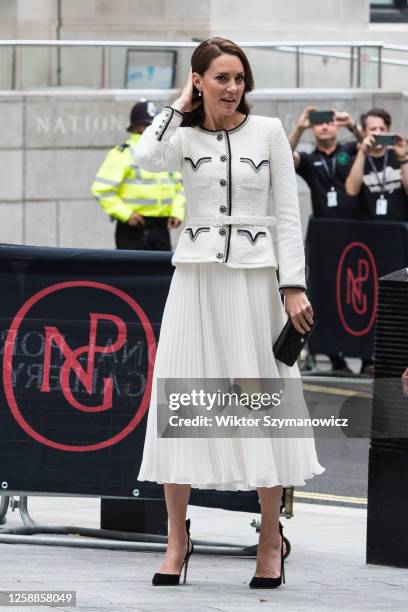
<point x="356" y="289"/>
<point x="72" y="363"/>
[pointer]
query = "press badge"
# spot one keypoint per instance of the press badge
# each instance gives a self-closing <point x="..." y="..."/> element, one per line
<point x="381" y="206"/>
<point x="331" y="198"/>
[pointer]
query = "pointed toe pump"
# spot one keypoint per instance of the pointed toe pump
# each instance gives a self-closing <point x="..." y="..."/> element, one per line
<point x="173" y="579"/>
<point x="260" y="582"/>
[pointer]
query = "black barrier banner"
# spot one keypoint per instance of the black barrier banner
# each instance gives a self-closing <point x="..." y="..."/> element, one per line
<point x="77" y="340"/>
<point x="78" y="334"/>
<point x="345" y="259"/>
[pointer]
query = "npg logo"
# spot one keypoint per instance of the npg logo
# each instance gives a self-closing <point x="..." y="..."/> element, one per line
<point x="93" y="369"/>
<point x="356" y="289"/>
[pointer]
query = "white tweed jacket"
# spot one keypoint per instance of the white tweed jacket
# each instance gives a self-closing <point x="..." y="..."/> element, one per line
<point x="239" y="184"/>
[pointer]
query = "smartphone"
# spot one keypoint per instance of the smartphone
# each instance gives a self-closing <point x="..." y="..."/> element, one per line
<point x="385" y="140"/>
<point x="319" y="117"/>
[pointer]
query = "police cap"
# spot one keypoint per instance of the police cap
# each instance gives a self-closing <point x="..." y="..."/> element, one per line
<point x="142" y="112"/>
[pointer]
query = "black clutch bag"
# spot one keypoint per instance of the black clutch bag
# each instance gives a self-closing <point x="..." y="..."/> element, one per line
<point x="290" y="342"/>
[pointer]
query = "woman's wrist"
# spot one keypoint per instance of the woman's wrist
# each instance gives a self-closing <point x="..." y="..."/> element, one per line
<point x="179" y="105"/>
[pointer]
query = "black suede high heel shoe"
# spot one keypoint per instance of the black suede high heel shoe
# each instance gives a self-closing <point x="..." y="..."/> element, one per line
<point x="259" y="582"/>
<point x="173" y="579"/>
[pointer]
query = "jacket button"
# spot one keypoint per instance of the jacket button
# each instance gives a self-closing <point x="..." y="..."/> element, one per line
<point x="222" y="231"/>
<point x="219" y="136"/>
<point x="223" y="182"/>
<point x="220" y="255"/>
<point x="223" y="158"/>
<point x="223" y="209"/>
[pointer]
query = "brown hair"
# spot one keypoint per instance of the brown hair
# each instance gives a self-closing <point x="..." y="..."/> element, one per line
<point x="201" y="59"/>
<point x="376" y="112"/>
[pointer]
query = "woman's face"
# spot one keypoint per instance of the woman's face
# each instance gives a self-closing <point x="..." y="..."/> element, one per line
<point x="222" y="85"/>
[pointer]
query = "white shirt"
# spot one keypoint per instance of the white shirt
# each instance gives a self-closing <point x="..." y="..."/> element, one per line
<point x="239" y="184"/>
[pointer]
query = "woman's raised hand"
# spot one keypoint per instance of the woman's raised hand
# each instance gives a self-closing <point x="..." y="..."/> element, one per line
<point x="185" y="103"/>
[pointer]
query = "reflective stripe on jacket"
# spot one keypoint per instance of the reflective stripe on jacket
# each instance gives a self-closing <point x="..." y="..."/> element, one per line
<point x="121" y="187"/>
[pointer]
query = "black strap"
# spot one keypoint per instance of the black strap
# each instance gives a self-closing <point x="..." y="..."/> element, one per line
<point x="331" y="174"/>
<point x="374" y="168"/>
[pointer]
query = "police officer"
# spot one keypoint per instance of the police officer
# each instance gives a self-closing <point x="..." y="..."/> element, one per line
<point x="145" y="204"/>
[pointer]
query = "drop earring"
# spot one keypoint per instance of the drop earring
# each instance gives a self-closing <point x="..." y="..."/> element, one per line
<point x="199" y="93"/>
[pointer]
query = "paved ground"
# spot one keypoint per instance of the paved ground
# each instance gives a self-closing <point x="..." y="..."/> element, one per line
<point x="326" y="570"/>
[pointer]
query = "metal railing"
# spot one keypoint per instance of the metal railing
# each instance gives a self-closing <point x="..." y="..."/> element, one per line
<point x="355" y="54"/>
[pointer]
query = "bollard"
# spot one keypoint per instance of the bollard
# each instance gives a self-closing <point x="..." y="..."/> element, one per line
<point x="387" y="511"/>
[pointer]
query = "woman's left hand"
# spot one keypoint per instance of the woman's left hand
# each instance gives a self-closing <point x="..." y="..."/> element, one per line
<point x="299" y="309"/>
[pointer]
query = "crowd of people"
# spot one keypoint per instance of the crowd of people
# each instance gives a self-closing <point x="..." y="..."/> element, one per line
<point x="364" y="178"/>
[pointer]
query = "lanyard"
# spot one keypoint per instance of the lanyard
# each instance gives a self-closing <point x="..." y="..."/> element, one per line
<point x="331" y="174"/>
<point x="374" y="169"/>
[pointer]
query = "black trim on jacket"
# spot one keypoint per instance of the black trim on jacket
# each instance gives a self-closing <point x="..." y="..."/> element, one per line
<point x="251" y="162"/>
<point x="195" y="166"/>
<point x="194" y="234"/>
<point x="292" y="287"/>
<point x="248" y="234"/>
<point x="229" y="194"/>
<point x="235" y="129"/>
<point x="169" y="118"/>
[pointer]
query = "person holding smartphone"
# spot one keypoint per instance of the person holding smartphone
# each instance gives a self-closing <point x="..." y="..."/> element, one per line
<point x="325" y="170"/>
<point x="379" y="174"/>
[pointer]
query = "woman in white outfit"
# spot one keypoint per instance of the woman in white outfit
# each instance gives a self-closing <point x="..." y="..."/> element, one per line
<point x="224" y="309"/>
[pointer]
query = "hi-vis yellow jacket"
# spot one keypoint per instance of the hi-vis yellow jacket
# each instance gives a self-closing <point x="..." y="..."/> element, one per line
<point x="121" y="187"/>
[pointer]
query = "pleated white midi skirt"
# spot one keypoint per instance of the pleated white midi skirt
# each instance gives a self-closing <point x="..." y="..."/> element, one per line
<point x="221" y="322"/>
